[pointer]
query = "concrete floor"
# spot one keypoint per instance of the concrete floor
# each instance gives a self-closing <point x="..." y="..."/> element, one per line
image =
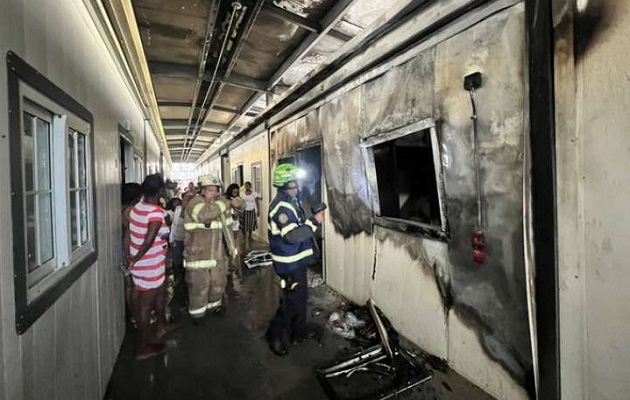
<point x="227" y="358"/>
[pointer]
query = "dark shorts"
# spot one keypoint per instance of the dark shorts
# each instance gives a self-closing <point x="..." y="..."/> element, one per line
<point x="178" y="252"/>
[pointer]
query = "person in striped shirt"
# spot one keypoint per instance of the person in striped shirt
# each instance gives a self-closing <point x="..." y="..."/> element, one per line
<point x="147" y="254"/>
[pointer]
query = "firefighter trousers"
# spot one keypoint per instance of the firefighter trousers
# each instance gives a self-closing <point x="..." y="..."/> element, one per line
<point x="206" y="287"/>
<point x="291" y="315"/>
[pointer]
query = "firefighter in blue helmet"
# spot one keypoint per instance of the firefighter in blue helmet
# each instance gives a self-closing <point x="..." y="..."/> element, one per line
<point x="291" y="247"/>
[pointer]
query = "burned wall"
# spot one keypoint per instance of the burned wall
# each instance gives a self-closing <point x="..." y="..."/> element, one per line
<point x="489" y="297"/>
<point x="492" y="294"/>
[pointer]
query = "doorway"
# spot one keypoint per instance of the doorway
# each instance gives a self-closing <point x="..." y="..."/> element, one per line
<point x="309" y="159"/>
<point x="237" y="175"/>
<point x="127" y="162"/>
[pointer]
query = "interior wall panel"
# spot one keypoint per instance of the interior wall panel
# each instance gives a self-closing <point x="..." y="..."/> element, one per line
<point x="247" y="154"/>
<point x="407" y="291"/>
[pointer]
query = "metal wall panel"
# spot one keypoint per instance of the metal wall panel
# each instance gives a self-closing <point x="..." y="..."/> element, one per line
<point x="70" y="351"/>
<point x="423" y="283"/>
<point x="592" y="90"/>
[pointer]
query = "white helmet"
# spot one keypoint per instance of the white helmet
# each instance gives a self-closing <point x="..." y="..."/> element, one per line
<point x="210" y="181"/>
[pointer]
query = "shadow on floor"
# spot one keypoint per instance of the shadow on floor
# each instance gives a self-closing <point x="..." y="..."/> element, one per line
<point x="227" y="358"/>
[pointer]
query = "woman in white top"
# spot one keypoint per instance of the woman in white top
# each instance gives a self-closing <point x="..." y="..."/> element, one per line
<point x="233" y="192"/>
<point x="249" y="222"/>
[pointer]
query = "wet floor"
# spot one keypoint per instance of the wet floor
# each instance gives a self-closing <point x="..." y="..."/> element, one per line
<point x="227" y="358"/>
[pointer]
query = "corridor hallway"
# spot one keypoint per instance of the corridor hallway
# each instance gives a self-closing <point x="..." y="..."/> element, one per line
<point x="471" y="155"/>
<point x="226" y="357"/>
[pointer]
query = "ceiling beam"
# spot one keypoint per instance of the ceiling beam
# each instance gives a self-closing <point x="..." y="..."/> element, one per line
<point x="238" y="44"/>
<point x="288" y="16"/>
<point x="331" y="19"/>
<point x="190" y="71"/>
<point x="215" y="108"/>
<point x="170" y="124"/>
<point x="213" y="15"/>
<point x="194" y="149"/>
<point x="246" y="107"/>
<point x="302" y="22"/>
<point x="182" y="137"/>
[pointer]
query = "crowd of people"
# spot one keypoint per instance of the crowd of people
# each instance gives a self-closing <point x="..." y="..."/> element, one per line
<point x="193" y="239"/>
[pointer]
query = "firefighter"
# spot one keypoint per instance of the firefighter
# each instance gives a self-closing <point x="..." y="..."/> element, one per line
<point x="208" y="246"/>
<point x="291" y="248"/>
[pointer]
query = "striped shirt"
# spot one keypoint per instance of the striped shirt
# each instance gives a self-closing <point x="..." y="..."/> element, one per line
<point x="148" y="272"/>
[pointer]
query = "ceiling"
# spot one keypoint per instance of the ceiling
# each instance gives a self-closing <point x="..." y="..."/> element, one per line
<point x="216" y="64"/>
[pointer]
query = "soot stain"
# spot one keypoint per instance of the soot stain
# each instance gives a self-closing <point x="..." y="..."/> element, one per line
<point x="590" y="25"/>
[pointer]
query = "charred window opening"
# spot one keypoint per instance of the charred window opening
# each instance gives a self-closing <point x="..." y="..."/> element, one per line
<point x="406" y="178"/>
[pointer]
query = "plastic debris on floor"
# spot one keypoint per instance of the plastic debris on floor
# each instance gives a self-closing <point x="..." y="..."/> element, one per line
<point x="258" y="258"/>
<point x="381" y="371"/>
<point x="344" y="323"/>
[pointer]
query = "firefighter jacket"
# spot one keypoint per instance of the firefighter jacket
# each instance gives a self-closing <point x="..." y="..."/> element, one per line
<point x="208" y="233"/>
<point x="290" y="234"/>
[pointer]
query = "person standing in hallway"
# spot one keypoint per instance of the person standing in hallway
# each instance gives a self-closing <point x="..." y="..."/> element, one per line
<point x="147" y="256"/>
<point x="233" y="193"/>
<point x="249" y="220"/>
<point x="291" y="247"/>
<point x="208" y="240"/>
<point x="191" y="187"/>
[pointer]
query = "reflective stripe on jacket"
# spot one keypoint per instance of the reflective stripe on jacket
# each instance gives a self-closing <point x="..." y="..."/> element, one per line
<point x="290" y="234"/>
<point x="204" y="245"/>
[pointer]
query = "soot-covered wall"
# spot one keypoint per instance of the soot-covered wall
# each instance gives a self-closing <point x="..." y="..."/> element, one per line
<point x="491" y="297"/>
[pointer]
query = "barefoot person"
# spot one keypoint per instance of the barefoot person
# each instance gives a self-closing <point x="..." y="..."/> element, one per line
<point x="147" y="253"/>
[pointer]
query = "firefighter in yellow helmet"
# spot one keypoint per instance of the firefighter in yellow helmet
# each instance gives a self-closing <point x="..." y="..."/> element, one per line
<point x="208" y="245"/>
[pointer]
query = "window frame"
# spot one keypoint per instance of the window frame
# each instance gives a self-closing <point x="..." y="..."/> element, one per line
<point x="367" y="144"/>
<point x="35" y="111"/>
<point x="257" y="166"/>
<point x="26" y="86"/>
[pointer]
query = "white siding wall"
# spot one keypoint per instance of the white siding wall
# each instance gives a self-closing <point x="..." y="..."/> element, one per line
<point x="212" y="168"/>
<point x="251" y="152"/>
<point x="70" y="351"/>
<point x="407" y="292"/>
<point x="593" y="158"/>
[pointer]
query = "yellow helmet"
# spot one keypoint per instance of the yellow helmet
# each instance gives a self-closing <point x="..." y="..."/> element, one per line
<point x="210" y="181"/>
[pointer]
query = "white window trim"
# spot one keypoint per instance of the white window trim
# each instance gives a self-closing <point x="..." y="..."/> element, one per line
<point x="66" y="259"/>
<point x="257" y="165"/>
<point x="44" y="269"/>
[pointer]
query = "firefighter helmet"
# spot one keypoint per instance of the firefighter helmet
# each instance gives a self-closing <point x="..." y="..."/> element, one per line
<point x="283" y="174"/>
<point x="210" y="181"/>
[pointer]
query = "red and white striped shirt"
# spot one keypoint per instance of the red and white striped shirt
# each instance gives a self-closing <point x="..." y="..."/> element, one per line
<point x="148" y="272"/>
